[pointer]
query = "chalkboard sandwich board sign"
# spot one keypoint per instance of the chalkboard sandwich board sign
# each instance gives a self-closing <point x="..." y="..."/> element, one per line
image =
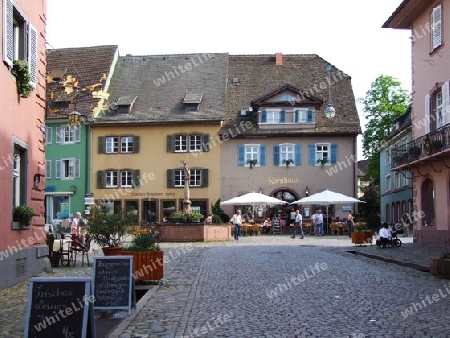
<point x="113" y="283"/>
<point x="60" y="307"/>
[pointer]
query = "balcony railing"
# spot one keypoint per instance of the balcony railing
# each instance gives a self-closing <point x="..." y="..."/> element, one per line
<point x="424" y="146"/>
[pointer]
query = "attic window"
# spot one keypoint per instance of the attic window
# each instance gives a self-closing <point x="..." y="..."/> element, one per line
<point x="191" y="101"/>
<point x="125" y="104"/>
<point x="235" y="80"/>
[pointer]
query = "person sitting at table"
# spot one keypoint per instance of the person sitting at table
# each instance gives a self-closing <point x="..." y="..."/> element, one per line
<point x="266" y="226"/>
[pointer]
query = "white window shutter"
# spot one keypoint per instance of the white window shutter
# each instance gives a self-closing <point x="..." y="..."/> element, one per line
<point x="77" y="134"/>
<point x="445" y="103"/>
<point x="77" y="168"/>
<point x="8" y="32"/>
<point x="48" y="169"/>
<point x="48" y="135"/>
<point x="58" y="164"/>
<point x="58" y="134"/>
<point x="427" y="114"/>
<point x="32" y="54"/>
<point x="436" y="27"/>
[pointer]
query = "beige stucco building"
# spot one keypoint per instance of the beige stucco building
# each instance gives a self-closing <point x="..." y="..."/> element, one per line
<point x="164" y="110"/>
<point x="427" y="156"/>
<point x="279" y="140"/>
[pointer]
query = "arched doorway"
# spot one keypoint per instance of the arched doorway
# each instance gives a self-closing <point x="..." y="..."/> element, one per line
<point x="427" y="198"/>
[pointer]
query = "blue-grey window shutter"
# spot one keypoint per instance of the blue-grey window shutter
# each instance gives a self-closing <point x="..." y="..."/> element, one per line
<point x="136" y="142"/>
<point x="310" y="116"/>
<point x="170" y="143"/>
<point x="241" y="154"/>
<point x="264" y="116"/>
<point x="333" y="153"/>
<point x="282" y="116"/>
<point x="262" y="155"/>
<point x="170" y="178"/>
<point x="296" y="116"/>
<point x="276" y="155"/>
<point x="8" y="32"/>
<point x="32" y="54"/>
<point x="298" y="154"/>
<point x="312" y="154"/>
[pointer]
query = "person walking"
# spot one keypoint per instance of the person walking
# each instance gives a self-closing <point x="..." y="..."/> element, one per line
<point x="237" y="221"/>
<point x="407" y="222"/>
<point x="319" y="223"/>
<point x="297" y="224"/>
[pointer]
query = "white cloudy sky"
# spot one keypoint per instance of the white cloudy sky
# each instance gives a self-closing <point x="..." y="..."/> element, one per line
<point x="346" y="33"/>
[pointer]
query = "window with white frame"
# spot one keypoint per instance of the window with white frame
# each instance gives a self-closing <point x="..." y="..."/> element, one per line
<point x="304" y="116"/>
<point x="397" y="179"/>
<point x="436" y="27"/>
<point x="251" y="154"/>
<point x="19" y="187"/>
<point x="126" y="178"/>
<point x="111" y="177"/>
<point x="322" y="153"/>
<point x="112" y="144"/>
<point x="287" y="152"/>
<point x="181" y="143"/>
<point x="67" y="135"/>
<point x="19" y="39"/>
<point x="388" y="183"/>
<point x="195" y="179"/>
<point x="272" y="116"/>
<point x="195" y="142"/>
<point x="388" y="156"/>
<point x="126" y="144"/>
<point x="67" y="168"/>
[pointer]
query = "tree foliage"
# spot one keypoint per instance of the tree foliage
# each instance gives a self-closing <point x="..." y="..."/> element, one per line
<point x="384" y="102"/>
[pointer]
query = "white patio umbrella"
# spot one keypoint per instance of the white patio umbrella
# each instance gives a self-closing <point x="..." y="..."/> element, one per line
<point x="253" y="198"/>
<point x="327" y="197"/>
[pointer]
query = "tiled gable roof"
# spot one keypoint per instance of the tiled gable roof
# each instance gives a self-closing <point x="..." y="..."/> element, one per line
<point x="161" y="84"/>
<point x="258" y="75"/>
<point x="87" y="66"/>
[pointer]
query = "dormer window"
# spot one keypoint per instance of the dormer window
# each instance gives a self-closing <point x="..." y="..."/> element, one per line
<point x="192" y="101"/>
<point x="277" y="116"/>
<point x="125" y="104"/>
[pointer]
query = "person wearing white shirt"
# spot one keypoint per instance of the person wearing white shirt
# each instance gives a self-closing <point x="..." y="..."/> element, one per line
<point x="237" y="221"/>
<point x="385" y="234"/>
<point x="297" y="224"/>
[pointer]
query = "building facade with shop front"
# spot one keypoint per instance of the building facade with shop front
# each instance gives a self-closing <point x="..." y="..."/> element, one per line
<point x="163" y="111"/>
<point x="277" y="139"/>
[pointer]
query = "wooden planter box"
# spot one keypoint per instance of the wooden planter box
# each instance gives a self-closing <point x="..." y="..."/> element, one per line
<point x="148" y="265"/>
<point x="440" y="267"/>
<point x="362" y="237"/>
<point x="112" y="250"/>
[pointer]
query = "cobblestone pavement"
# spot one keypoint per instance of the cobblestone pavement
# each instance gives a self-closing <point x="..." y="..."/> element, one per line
<point x="275" y="286"/>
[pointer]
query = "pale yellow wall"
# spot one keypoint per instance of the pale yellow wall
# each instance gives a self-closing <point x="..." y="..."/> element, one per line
<point x="153" y="161"/>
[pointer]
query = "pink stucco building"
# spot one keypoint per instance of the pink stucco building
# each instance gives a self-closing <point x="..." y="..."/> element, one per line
<point x="427" y="156"/>
<point x="23" y="249"/>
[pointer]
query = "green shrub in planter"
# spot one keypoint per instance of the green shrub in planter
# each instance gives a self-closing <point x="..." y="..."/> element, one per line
<point x="23" y="214"/>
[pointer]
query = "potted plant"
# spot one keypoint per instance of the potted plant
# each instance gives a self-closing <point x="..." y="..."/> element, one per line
<point x="252" y="163"/>
<point x="178" y="217"/>
<point x="20" y="70"/>
<point x="195" y="216"/>
<point x="362" y="235"/>
<point x="148" y="258"/>
<point x="288" y="162"/>
<point x="23" y="215"/>
<point x="322" y="162"/>
<point x="109" y="230"/>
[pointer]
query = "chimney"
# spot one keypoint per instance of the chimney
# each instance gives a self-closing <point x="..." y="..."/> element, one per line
<point x="279" y="59"/>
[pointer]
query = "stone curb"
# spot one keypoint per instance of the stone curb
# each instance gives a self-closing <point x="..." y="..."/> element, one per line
<point x="393" y="261"/>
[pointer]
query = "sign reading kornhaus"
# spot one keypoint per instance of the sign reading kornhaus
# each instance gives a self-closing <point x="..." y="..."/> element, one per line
<point x="283" y="180"/>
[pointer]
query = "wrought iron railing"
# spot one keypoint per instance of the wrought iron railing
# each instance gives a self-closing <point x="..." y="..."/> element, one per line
<point x="424" y="146"/>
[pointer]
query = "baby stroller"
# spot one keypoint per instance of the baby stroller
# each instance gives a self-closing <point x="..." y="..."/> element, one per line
<point x="393" y="242"/>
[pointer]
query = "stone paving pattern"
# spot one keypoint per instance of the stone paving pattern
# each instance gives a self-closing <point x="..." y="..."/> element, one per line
<point x="275" y="286"/>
